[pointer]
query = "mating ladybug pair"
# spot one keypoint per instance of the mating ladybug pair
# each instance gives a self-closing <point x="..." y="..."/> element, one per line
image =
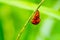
<point x="36" y="18"/>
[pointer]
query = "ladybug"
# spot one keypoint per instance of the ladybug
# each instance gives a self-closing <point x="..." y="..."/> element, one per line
<point x="36" y="18"/>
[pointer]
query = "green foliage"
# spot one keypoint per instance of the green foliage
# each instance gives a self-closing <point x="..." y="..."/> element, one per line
<point x="14" y="14"/>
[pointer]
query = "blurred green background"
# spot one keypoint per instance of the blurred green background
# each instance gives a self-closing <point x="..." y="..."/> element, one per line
<point x="15" y="13"/>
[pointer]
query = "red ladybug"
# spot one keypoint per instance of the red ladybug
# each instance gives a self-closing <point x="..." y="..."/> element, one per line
<point x="35" y="20"/>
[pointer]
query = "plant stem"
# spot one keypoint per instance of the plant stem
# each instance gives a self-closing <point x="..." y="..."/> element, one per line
<point x="21" y="31"/>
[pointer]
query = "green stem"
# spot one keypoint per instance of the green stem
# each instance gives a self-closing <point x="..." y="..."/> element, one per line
<point x="21" y="31"/>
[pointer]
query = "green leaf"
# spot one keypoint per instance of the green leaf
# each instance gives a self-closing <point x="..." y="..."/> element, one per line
<point x="14" y="14"/>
